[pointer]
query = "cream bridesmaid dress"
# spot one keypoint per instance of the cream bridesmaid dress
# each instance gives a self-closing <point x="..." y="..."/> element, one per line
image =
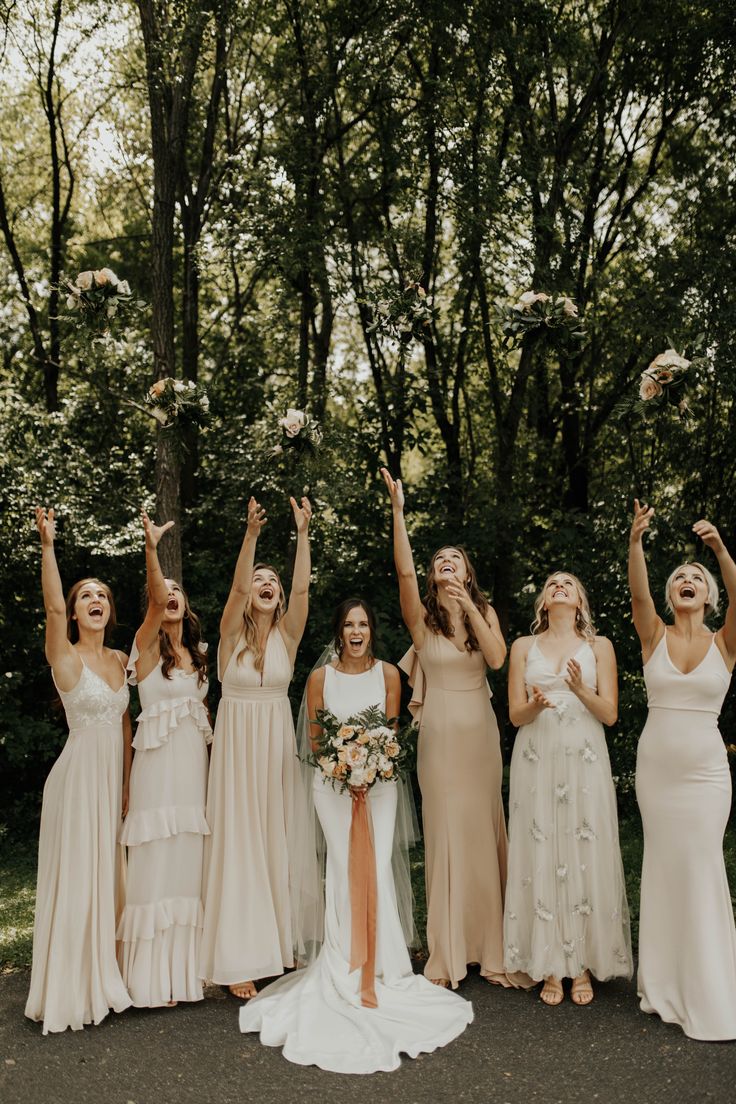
<point x="316" y="1014"/>
<point x="687" y="939"/>
<point x="566" y="909"/>
<point x="75" y="978"/>
<point x="164" y="831"/>
<point x="256" y="812"/>
<point x="459" y="768"/>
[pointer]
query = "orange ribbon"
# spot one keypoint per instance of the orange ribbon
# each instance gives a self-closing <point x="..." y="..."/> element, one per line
<point x="363" y="894"/>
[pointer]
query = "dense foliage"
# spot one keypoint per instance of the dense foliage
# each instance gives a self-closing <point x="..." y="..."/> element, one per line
<point x="334" y="205"/>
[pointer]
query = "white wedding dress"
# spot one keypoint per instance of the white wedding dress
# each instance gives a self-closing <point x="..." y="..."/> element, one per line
<point x="316" y="1014"/>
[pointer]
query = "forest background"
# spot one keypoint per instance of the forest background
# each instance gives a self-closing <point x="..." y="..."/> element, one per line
<point x="281" y="182"/>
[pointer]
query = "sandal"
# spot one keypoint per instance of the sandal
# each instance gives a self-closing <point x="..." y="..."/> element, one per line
<point x="552" y="992"/>
<point x="581" y="992"/>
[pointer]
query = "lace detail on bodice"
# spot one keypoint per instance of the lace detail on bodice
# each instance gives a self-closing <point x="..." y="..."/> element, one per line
<point x="540" y="671"/>
<point x="92" y="702"/>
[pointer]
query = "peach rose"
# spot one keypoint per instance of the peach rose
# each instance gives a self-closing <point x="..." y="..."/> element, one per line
<point x="649" y="388"/>
<point x="157" y="388"/>
<point x="529" y="298"/>
<point x="293" y="423"/>
<point x="670" y="358"/>
<point x="85" y="280"/>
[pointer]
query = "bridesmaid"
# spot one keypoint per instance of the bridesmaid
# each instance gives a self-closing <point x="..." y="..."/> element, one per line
<point x="566" y="913"/>
<point x="261" y="851"/>
<point x="687" y="940"/>
<point x="75" y="978"/>
<point x="455" y="635"/>
<point x="159" y="931"/>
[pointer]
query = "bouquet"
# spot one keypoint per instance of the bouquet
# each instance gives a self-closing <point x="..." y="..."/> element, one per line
<point x="363" y="750"/>
<point x="96" y="297"/>
<point x="662" y="384"/>
<point x="403" y="317"/>
<point x="297" y="431"/>
<point x="177" y="400"/>
<point x="534" y="309"/>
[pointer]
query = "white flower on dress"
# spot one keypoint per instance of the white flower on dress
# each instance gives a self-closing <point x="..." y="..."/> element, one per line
<point x="568" y="947"/>
<point x="584" y="832"/>
<point x="621" y="955"/>
<point x="561" y="872"/>
<point x="512" y="916"/>
<point x="513" y="952"/>
<point x="542" y="912"/>
<point x="526" y="882"/>
<point x="562" y="793"/>
<point x="588" y="755"/>
<point x="584" y="908"/>
<point x="530" y="752"/>
<point x="537" y="834"/>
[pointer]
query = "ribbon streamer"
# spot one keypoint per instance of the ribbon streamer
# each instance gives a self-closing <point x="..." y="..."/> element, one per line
<point x="363" y="895"/>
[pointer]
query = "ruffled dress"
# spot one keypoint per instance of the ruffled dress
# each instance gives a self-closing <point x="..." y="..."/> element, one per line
<point x="160" y="929"/>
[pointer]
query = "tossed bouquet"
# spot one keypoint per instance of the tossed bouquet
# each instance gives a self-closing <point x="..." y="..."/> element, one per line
<point x="362" y="750"/>
<point x="663" y="384"/>
<point x="173" y="400"/>
<point x="297" y="430"/>
<point x="96" y="296"/>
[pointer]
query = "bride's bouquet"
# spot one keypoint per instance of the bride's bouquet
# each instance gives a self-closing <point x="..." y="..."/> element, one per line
<point x="362" y="750"/>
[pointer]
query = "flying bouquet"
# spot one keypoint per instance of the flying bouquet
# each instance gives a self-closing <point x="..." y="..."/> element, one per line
<point x="173" y="401"/>
<point x="363" y="750"/>
<point x="403" y="317"/>
<point x="663" y="384"/>
<point x="535" y="309"/>
<point x="96" y="297"/>
<point x="298" y="432"/>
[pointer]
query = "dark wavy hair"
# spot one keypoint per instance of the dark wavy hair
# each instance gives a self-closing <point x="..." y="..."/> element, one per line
<point x="435" y="615"/>
<point x="340" y="616"/>
<point x="191" y="638"/>
<point x="72" y="629"/>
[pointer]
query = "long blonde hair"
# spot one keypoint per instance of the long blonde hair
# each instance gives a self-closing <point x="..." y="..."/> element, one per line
<point x="250" y="627"/>
<point x="583" y="620"/>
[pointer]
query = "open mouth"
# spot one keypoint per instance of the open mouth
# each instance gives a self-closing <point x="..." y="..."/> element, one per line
<point x="355" y="641"/>
<point x="447" y="569"/>
<point x="172" y="605"/>
<point x="559" y="590"/>
<point x="687" y="591"/>
<point x="266" y="593"/>
<point x="96" y="612"/>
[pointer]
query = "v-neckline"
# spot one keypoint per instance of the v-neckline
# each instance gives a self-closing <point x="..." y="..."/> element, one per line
<point x="697" y="666"/>
<point x="460" y="651"/>
<point x="102" y="678"/>
<point x="547" y="659"/>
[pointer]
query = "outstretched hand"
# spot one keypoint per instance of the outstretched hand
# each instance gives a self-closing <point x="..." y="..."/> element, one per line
<point x="643" y="514"/>
<point x="256" y="518"/>
<point x="302" y="513"/>
<point x="540" y="699"/>
<point x="153" y="532"/>
<point x="709" y="535"/>
<point x="46" y="525"/>
<point x="395" y="489"/>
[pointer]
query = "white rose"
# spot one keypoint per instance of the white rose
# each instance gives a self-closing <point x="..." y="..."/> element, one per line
<point x="106" y="276"/>
<point x="204" y="402"/>
<point x="327" y="766"/>
<point x="111" y="309"/>
<point x="359" y="776"/>
<point x="649" y="388"/>
<point x="293" y="423"/>
<point x="529" y="298"/>
<point x="123" y="288"/>
<point x="669" y="359"/>
<point x="568" y="307"/>
<point x="72" y="302"/>
<point x="84" y="280"/>
<point x="355" y="755"/>
<point x="179" y="386"/>
<point x="191" y="384"/>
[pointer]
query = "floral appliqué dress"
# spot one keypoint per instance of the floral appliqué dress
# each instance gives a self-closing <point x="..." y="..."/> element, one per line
<point x="566" y="908"/>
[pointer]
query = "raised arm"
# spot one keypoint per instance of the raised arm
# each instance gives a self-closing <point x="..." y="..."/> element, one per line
<point x="412" y="609"/>
<point x="65" y="663"/>
<point x="295" y="618"/>
<point x="647" y="622"/>
<point x="158" y="595"/>
<point x="712" y="538"/>
<point x="231" y="622"/>
<point x="522" y="710"/>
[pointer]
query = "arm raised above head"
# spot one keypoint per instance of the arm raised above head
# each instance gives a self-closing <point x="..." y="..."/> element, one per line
<point x="712" y="538"/>
<point x="412" y="609"/>
<point x="295" y="618"/>
<point x="231" y="622"/>
<point x="647" y="622"/>
<point x="158" y="594"/>
<point x="64" y="661"/>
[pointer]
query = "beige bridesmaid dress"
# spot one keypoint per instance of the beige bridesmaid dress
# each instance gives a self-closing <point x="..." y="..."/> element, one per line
<point x="256" y="810"/>
<point x="460" y="768"/>
<point x="75" y="978"/>
<point x="687" y="938"/>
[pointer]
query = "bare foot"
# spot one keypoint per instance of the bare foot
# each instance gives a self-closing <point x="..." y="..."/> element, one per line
<point x="171" y="1004"/>
<point x="243" y="990"/>
<point x="582" y="990"/>
<point x="442" y="982"/>
<point x="552" y="992"/>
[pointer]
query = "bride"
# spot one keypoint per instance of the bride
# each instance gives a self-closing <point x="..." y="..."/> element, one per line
<point x="320" y="1015"/>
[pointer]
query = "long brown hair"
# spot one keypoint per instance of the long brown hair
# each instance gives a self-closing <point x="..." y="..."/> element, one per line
<point x="436" y="616"/>
<point x="191" y="638"/>
<point x="72" y="628"/>
<point x="250" y="628"/>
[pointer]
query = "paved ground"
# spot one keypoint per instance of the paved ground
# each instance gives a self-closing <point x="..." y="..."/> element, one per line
<point x="516" y="1052"/>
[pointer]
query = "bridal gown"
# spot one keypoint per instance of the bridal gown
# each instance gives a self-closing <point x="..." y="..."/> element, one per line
<point x="164" y="831"/>
<point x="566" y="909"/>
<point x="316" y="1014"/>
<point x="459" y="767"/>
<point x="687" y="940"/>
<point x="75" y="978"/>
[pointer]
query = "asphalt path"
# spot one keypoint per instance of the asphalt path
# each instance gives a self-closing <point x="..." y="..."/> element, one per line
<point x="516" y="1051"/>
